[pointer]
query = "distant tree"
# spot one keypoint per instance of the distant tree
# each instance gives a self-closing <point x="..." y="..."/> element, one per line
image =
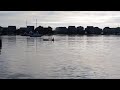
<point x="72" y="30"/>
<point x="61" y="30"/>
<point x="80" y="30"/>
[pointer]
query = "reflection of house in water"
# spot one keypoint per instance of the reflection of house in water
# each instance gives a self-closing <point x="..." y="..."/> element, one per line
<point x="0" y="45"/>
<point x="30" y="41"/>
<point x="12" y="40"/>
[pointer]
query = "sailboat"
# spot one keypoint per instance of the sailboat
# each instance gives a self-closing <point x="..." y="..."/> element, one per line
<point x="36" y="34"/>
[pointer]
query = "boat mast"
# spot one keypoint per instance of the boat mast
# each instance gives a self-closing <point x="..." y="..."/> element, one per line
<point x="26" y="23"/>
<point x="36" y="23"/>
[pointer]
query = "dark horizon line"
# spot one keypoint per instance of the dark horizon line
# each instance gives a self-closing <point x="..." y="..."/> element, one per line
<point x="59" y="30"/>
<point x="58" y="26"/>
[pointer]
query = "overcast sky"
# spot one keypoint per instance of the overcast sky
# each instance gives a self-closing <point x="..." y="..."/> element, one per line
<point x="60" y="18"/>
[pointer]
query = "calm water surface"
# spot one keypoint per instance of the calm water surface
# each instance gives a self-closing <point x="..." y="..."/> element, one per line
<point x="68" y="57"/>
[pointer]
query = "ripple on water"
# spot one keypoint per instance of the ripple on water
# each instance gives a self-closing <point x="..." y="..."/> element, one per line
<point x="19" y="76"/>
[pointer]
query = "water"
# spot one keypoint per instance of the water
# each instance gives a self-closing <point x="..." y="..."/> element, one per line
<point x="68" y="57"/>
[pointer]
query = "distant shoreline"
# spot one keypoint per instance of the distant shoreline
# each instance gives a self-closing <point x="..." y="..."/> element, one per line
<point x="70" y="30"/>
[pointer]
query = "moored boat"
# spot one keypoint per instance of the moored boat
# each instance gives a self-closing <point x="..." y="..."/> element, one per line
<point x="48" y="39"/>
<point x="36" y="34"/>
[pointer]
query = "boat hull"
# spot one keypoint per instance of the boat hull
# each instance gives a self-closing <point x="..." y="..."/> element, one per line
<point x="35" y="35"/>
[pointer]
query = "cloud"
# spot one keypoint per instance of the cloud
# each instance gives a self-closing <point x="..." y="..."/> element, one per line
<point x="60" y="18"/>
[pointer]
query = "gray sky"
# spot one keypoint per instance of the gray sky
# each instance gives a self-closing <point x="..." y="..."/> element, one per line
<point x="60" y="18"/>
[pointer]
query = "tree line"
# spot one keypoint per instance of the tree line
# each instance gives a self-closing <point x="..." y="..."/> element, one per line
<point x="70" y="30"/>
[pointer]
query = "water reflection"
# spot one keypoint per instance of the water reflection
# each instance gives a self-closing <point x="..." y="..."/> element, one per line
<point x="19" y="76"/>
<point x="11" y="40"/>
<point x="30" y="41"/>
<point x="67" y="57"/>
